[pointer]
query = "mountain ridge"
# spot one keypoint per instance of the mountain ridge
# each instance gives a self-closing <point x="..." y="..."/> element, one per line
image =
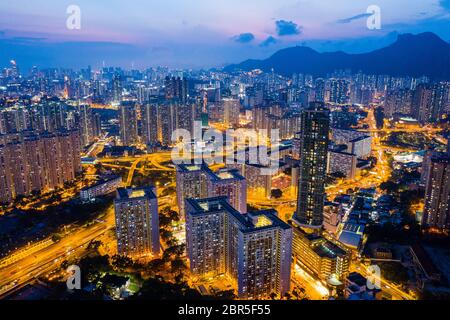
<point x="423" y="54"/>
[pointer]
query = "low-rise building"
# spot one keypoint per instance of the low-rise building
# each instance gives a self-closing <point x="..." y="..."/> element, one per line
<point x="101" y="188"/>
<point x="319" y="256"/>
<point x="357" y="288"/>
<point x="352" y="235"/>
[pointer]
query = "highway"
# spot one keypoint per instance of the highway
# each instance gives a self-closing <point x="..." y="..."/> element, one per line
<point x="386" y="286"/>
<point x="97" y="147"/>
<point x="155" y="159"/>
<point x="411" y="129"/>
<point x="24" y="252"/>
<point x="379" y="174"/>
<point x="37" y="263"/>
<point x="103" y="106"/>
<point x="315" y="290"/>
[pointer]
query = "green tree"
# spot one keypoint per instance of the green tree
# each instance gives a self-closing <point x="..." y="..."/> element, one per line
<point x="394" y="272"/>
<point x="121" y="263"/>
<point x="177" y="266"/>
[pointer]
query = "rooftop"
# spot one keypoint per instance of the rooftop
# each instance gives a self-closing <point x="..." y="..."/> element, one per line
<point x="225" y="175"/>
<point x="228" y="174"/>
<point x="262" y="221"/>
<point x="136" y="194"/>
<point x="125" y="194"/>
<point x="249" y="222"/>
<point x="357" y="278"/>
<point x="192" y="168"/>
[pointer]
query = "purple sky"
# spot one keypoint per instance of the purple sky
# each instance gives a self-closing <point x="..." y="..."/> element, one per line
<point x="202" y="33"/>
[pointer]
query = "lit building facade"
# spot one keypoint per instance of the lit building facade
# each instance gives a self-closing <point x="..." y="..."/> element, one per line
<point x="339" y="91"/>
<point x="231" y="184"/>
<point x="149" y="124"/>
<point x="313" y="165"/>
<point x="319" y="256"/>
<point x="437" y="193"/>
<point x="253" y="250"/>
<point x="137" y="222"/>
<point x="103" y="187"/>
<point x="342" y="162"/>
<point x="198" y="181"/>
<point x="128" y="123"/>
<point x="190" y="183"/>
<point x="37" y="163"/>
<point x="231" y="109"/>
<point x="176" y="88"/>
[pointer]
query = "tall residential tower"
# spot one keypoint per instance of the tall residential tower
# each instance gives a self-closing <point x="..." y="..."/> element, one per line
<point x="253" y="250"/>
<point x="315" y="125"/>
<point x="437" y="193"/>
<point x="137" y="222"/>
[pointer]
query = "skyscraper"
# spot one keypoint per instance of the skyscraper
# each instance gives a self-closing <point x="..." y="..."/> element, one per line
<point x="37" y="162"/>
<point x="184" y="117"/>
<point x="437" y="193"/>
<point x="116" y="88"/>
<point x="339" y="91"/>
<point x="190" y="183"/>
<point x="315" y="124"/>
<point x="166" y="113"/>
<point x="87" y="124"/>
<point x="398" y="102"/>
<point x="426" y="165"/>
<point x="150" y="123"/>
<point x="128" y="123"/>
<point x="137" y="222"/>
<point x="231" y="184"/>
<point x="198" y="181"/>
<point x="320" y="90"/>
<point x="231" y="108"/>
<point x="253" y="250"/>
<point x="439" y="100"/>
<point x="421" y="103"/>
<point x="176" y="88"/>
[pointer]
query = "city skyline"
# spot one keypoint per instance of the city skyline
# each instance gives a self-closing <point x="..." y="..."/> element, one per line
<point x="130" y="171"/>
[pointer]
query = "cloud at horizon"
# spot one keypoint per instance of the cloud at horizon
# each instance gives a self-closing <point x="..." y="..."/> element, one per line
<point x="353" y="18"/>
<point x="269" y="41"/>
<point x="244" y="37"/>
<point x="287" y="28"/>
